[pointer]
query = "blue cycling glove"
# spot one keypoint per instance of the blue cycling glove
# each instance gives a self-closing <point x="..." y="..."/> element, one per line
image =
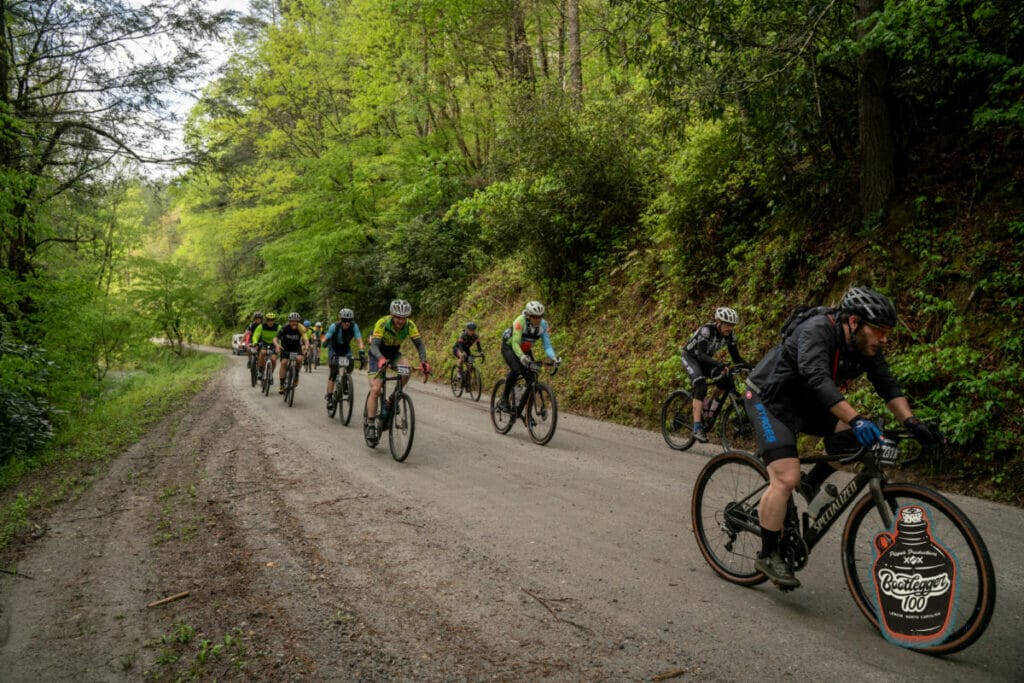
<point x="866" y="431"/>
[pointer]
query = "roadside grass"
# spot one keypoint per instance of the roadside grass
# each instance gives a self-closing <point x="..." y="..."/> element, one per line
<point x="98" y="432"/>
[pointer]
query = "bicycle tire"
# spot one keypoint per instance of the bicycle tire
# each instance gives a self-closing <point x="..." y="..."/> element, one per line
<point x="254" y="370"/>
<point x="289" y="392"/>
<point x="401" y="428"/>
<point x="347" y="398"/>
<point x="500" y="420"/>
<point x="455" y="380"/>
<point x="735" y="429"/>
<point x="677" y="420"/>
<point x="372" y="443"/>
<point x="476" y="383"/>
<point x="723" y="515"/>
<point x="268" y="376"/>
<point x="976" y="581"/>
<point x="541" y="414"/>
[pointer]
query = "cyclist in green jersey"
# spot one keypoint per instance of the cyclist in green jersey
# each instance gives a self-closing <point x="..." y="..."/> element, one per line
<point x="385" y="347"/>
<point x="263" y="339"/>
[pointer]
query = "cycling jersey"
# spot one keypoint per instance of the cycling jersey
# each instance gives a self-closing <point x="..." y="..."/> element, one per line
<point x="338" y="339"/>
<point x="249" y="331"/>
<point x="386" y="340"/>
<point x="291" y="338"/>
<point x="707" y="341"/>
<point x="466" y="340"/>
<point x="522" y="336"/>
<point x="265" y="333"/>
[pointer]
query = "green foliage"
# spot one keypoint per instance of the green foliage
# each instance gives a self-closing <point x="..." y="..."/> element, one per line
<point x="25" y="413"/>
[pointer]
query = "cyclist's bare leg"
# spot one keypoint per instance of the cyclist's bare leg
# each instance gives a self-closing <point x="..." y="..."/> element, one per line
<point x="375" y="387"/>
<point x="783" y="475"/>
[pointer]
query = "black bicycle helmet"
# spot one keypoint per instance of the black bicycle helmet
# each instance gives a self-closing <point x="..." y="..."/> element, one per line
<point x="869" y="306"/>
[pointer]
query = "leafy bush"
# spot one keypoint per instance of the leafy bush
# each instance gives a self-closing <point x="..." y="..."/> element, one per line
<point x="25" y="413"/>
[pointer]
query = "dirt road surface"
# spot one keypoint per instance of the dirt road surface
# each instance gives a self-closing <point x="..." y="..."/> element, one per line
<point x="306" y="555"/>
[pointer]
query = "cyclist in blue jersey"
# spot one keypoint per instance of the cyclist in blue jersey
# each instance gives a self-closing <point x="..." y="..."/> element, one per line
<point x="338" y="341"/>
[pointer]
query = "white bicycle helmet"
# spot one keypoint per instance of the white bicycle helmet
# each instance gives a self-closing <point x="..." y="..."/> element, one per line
<point x="294" y="317"/>
<point x="401" y="308"/>
<point x="727" y="315"/>
<point x="346" y="314"/>
<point x="534" y="308"/>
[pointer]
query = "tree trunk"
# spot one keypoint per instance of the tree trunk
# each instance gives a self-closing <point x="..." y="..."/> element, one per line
<point x="518" y="46"/>
<point x="877" y="142"/>
<point x="572" y="17"/>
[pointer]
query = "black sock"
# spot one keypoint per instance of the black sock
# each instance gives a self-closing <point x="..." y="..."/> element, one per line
<point x="819" y="473"/>
<point x="769" y="541"/>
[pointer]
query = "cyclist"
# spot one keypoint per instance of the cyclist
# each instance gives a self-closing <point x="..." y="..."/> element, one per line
<point x="318" y="333"/>
<point x="385" y="346"/>
<point x="338" y="341"/>
<point x="291" y="339"/>
<point x="699" y="362"/>
<point x="798" y="388"/>
<point x="517" y="349"/>
<point x="462" y="349"/>
<point x="257" y="318"/>
<point x="263" y="339"/>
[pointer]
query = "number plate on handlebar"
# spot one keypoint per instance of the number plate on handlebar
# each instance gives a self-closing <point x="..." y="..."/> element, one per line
<point x="888" y="453"/>
<point x="344" y="361"/>
<point x="403" y="370"/>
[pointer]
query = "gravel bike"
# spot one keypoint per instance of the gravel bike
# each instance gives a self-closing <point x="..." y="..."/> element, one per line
<point x="268" y="372"/>
<point x="291" y="378"/>
<point x="467" y="379"/>
<point x="532" y="396"/>
<point x="724" y="510"/>
<point x="734" y="428"/>
<point x="394" y="413"/>
<point x="344" y="390"/>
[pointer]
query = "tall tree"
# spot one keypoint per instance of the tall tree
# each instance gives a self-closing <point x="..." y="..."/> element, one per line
<point x="877" y="143"/>
<point x="572" y="18"/>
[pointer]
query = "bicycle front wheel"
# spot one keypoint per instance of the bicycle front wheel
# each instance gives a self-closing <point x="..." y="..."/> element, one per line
<point x="347" y="398"/>
<point x="541" y="414"/>
<point x="975" y="577"/>
<point x="735" y="428"/>
<point x="289" y="393"/>
<point x="402" y="428"/>
<point x="723" y="509"/>
<point x="254" y="370"/>
<point x="268" y="375"/>
<point x="677" y="420"/>
<point x="455" y="380"/>
<point x="476" y="383"/>
<point x="501" y="420"/>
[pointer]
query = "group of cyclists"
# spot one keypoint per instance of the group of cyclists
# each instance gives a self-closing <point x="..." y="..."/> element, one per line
<point x="797" y="387"/>
<point x="264" y="337"/>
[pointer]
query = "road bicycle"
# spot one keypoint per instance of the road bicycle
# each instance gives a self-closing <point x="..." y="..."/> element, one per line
<point x="399" y="418"/>
<point x="291" y="378"/>
<point x="724" y="510"/>
<point x="268" y="372"/>
<point x="540" y="405"/>
<point x="344" y="390"/>
<point x="734" y="428"/>
<point x="467" y="378"/>
<point x="310" y="351"/>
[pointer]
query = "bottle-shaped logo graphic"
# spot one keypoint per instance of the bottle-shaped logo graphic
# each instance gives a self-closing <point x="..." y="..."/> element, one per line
<point x="915" y="582"/>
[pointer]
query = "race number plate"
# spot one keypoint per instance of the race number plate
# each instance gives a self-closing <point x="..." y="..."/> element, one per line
<point x="344" y="361"/>
<point x="403" y="370"/>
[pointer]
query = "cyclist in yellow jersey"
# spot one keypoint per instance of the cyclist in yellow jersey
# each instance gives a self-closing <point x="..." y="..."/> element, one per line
<point x="385" y="346"/>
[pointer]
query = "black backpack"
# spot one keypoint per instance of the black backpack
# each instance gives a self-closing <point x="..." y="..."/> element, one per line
<point x="799" y="315"/>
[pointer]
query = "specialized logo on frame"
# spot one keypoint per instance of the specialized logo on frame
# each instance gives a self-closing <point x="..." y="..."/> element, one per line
<point x="915" y="580"/>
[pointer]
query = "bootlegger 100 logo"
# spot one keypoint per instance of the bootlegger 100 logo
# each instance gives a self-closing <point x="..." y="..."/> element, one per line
<point x="915" y="581"/>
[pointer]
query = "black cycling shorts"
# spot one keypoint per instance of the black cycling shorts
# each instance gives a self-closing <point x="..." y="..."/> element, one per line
<point x="699" y="376"/>
<point x="775" y="440"/>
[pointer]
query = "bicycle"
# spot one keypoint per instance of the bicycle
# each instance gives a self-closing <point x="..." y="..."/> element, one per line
<point x="291" y="378"/>
<point x="541" y="407"/>
<point x="734" y="429"/>
<point x="467" y="378"/>
<point x="268" y="372"/>
<point x="344" y="390"/>
<point x="399" y="418"/>
<point x="253" y="365"/>
<point x="724" y="510"/>
<point x="308" y="364"/>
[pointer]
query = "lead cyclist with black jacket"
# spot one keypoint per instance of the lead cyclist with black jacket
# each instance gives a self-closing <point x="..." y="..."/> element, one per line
<point x="798" y="388"/>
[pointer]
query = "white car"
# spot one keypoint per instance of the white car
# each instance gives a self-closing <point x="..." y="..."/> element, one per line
<point x="238" y="344"/>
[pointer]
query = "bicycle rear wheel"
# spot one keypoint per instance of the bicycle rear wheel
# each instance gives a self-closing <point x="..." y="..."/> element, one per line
<point x="347" y="398"/>
<point x="476" y="383"/>
<point x="402" y="428"/>
<point x="735" y="428"/>
<point x="455" y="380"/>
<point x="501" y="420"/>
<point x="541" y="414"/>
<point x="724" y="514"/>
<point x="975" y="577"/>
<point x="677" y="420"/>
